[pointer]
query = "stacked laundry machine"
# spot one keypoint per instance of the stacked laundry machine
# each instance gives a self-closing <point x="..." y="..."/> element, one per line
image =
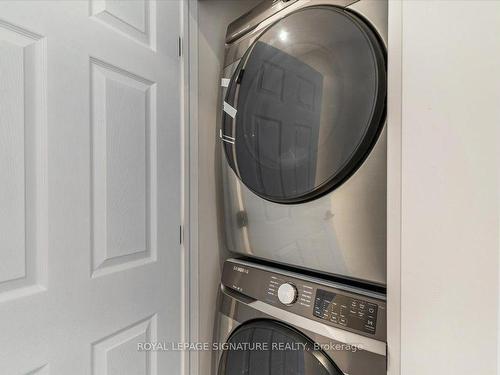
<point x="304" y="189"/>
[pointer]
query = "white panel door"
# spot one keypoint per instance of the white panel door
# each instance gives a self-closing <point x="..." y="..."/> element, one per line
<point x="90" y="261"/>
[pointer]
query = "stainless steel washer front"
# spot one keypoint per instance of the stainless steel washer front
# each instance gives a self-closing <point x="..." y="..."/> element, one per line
<point x="250" y="316"/>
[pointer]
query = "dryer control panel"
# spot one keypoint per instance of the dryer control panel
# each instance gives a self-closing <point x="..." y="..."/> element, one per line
<point x="338" y="305"/>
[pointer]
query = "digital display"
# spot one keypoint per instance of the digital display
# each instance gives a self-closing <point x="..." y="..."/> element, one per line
<point x="345" y="311"/>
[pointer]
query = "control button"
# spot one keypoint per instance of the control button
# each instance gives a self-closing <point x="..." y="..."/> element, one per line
<point x="371" y="310"/>
<point x="343" y="321"/>
<point x="287" y="294"/>
<point x="369" y="322"/>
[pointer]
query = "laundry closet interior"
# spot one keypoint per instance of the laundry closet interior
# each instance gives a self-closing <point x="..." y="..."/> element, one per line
<point x="249" y="187"/>
<point x="281" y="210"/>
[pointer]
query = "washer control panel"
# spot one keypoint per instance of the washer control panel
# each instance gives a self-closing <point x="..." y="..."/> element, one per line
<point x="334" y="304"/>
<point x="349" y="312"/>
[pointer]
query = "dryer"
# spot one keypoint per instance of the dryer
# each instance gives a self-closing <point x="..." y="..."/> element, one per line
<point x="272" y="322"/>
<point x="303" y="136"/>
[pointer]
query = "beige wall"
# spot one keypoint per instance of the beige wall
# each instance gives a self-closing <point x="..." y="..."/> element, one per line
<point x="448" y="179"/>
<point x="213" y="18"/>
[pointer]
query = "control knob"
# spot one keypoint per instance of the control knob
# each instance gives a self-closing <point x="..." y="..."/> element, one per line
<point x="287" y="294"/>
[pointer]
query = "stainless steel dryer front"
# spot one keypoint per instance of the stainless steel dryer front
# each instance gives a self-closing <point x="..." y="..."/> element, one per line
<point x="303" y="134"/>
<point x="274" y="322"/>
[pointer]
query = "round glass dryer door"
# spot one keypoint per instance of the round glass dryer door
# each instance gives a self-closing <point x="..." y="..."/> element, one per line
<point x="293" y="353"/>
<point x="305" y="104"/>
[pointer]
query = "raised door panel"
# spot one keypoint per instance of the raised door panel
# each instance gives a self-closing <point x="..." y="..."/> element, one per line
<point x="123" y="125"/>
<point x="22" y="162"/>
<point x="118" y="353"/>
<point x="132" y="18"/>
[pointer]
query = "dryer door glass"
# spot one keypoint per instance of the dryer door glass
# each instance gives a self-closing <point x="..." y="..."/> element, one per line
<point x="266" y="347"/>
<point x="305" y="105"/>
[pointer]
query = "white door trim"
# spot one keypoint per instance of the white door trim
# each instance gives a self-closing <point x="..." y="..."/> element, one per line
<point x="189" y="55"/>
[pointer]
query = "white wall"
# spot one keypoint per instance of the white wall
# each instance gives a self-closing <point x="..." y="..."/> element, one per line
<point x="448" y="181"/>
<point x="213" y="19"/>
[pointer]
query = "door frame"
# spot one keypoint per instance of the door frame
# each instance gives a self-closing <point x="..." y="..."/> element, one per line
<point x="188" y="49"/>
<point x="394" y="185"/>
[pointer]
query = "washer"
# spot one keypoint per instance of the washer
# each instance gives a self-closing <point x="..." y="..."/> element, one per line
<point x="303" y="136"/>
<point x="272" y="322"/>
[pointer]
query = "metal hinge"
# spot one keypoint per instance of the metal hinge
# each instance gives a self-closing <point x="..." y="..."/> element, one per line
<point x="180" y="46"/>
